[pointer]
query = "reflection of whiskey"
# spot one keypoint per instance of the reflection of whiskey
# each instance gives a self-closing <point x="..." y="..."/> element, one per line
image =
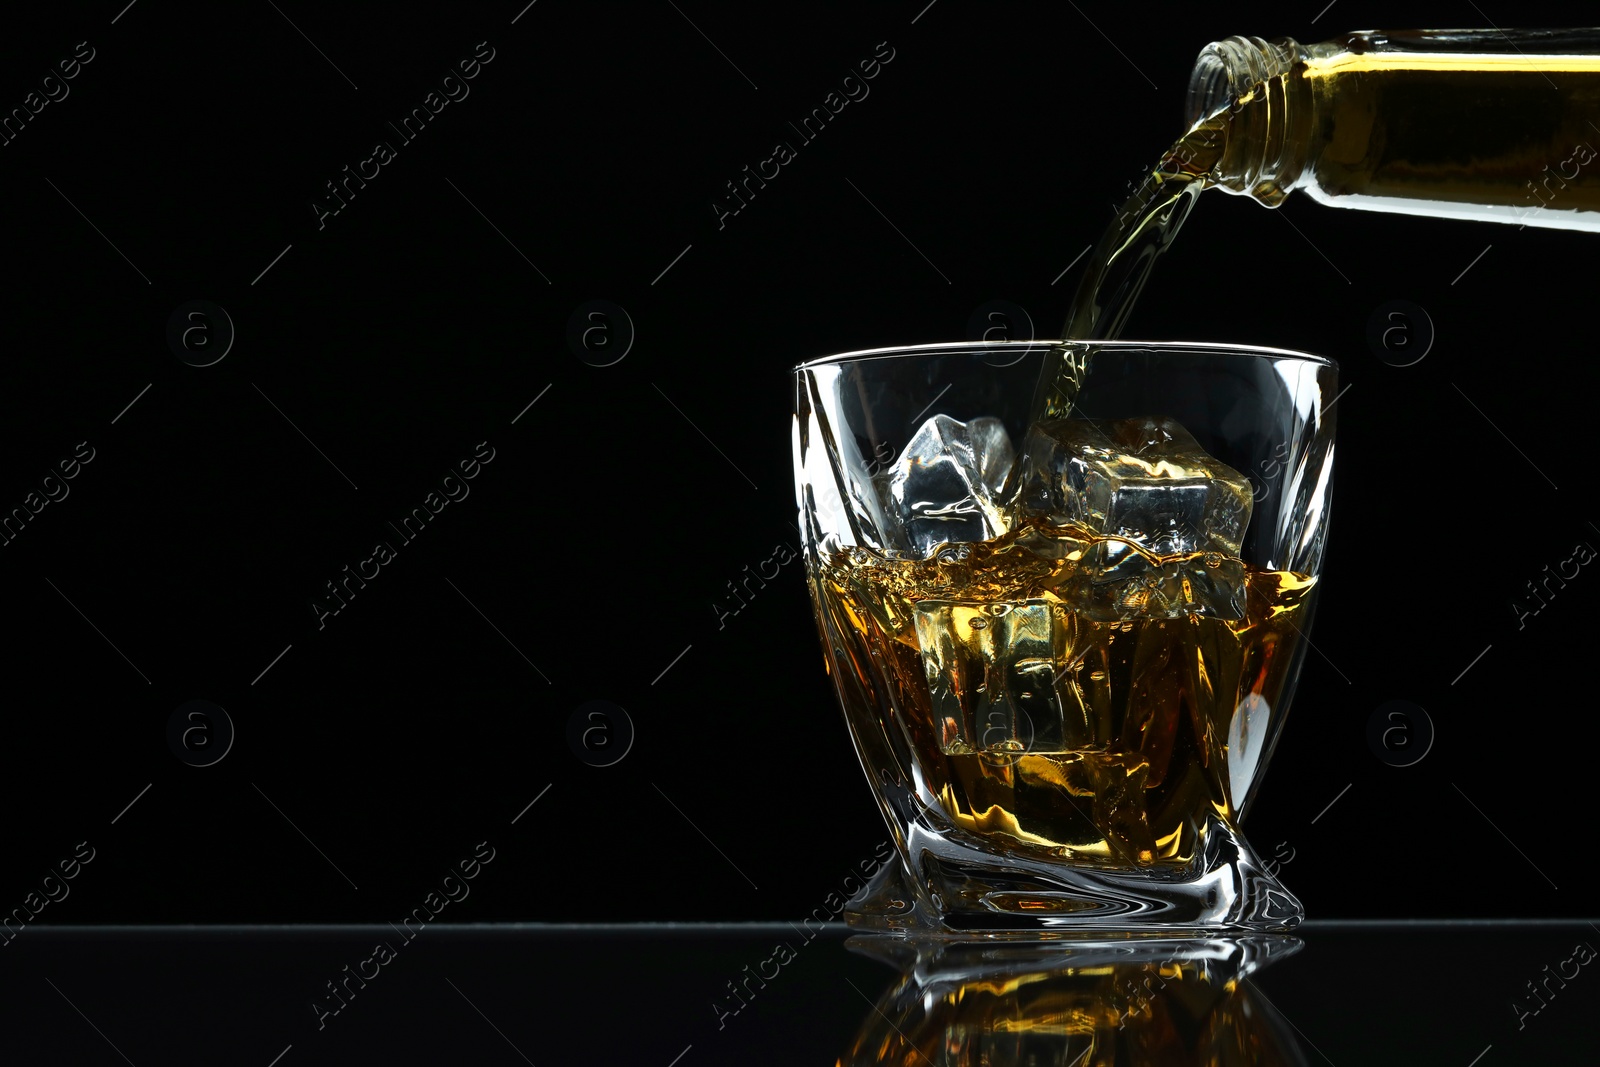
<point x="1068" y="710"/>
<point x="1103" y="1009"/>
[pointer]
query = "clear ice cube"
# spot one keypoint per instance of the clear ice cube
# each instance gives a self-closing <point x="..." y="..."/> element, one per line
<point x="991" y="673"/>
<point x="1145" y="479"/>
<point x="1172" y="518"/>
<point x="945" y="486"/>
<point x="1117" y="582"/>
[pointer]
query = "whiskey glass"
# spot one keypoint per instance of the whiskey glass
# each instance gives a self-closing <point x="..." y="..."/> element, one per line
<point x="1065" y="649"/>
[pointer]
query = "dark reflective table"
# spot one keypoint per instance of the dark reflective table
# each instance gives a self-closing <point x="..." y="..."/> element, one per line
<point x="1463" y="993"/>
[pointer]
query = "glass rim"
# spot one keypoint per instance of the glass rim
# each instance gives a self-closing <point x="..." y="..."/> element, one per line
<point x="1215" y="348"/>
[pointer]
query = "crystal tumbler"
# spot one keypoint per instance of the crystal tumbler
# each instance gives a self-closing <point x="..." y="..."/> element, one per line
<point x="1065" y="648"/>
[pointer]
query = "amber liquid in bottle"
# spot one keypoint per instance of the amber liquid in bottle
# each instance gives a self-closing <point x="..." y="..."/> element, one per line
<point x="1506" y="136"/>
<point x="1463" y="125"/>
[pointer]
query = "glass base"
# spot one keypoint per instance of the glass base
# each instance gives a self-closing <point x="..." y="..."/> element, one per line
<point x="953" y="890"/>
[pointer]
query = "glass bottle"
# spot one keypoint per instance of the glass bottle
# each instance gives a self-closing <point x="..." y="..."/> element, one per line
<point x="1476" y="124"/>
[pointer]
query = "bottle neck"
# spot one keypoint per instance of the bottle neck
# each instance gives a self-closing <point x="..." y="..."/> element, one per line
<point x="1251" y="91"/>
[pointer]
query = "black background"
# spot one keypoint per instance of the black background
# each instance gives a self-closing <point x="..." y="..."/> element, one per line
<point x="591" y="556"/>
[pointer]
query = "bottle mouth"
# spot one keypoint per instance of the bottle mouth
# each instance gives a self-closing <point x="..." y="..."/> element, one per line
<point x="1228" y="69"/>
<point x="1210" y="89"/>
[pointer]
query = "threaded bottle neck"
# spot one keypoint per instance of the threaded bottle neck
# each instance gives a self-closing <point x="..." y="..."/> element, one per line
<point x="1227" y="70"/>
<point x="1242" y="86"/>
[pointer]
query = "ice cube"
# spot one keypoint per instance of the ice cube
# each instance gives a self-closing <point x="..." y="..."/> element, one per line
<point x="1144" y="479"/>
<point x="1163" y="520"/>
<point x="945" y="486"/>
<point x="1117" y="782"/>
<point x="1114" y="580"/>
<point x="991" y="673"/>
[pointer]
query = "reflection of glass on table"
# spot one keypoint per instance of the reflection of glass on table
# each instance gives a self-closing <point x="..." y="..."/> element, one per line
<point x="1172" y="1003"/>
